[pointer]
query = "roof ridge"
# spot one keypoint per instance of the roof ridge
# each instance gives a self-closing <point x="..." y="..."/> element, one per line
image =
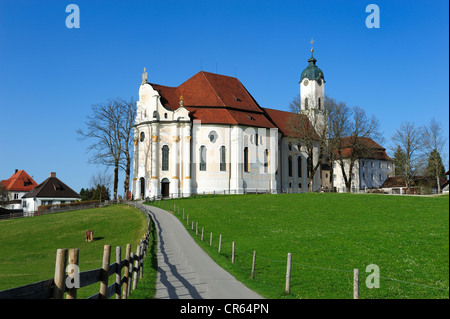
<point x="213" y="88"/>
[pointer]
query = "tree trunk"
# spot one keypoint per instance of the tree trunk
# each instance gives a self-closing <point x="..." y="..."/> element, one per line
<point x="116" y="178"/>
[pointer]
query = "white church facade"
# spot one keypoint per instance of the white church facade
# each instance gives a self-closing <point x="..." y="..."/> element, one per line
<point x="209" y="135"/>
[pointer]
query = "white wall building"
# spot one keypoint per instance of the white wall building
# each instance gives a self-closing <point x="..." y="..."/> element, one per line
<point x="368" y="172"/>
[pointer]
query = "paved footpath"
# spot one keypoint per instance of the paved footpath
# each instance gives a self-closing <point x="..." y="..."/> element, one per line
<point x="185" y="271"/>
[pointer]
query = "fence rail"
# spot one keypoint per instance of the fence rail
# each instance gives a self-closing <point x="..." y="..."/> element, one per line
<point x="56" y="288"/>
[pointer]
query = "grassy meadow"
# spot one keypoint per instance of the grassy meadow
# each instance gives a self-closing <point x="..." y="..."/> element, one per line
<point x="328" y="235"/>
<point x="28" y="245"/>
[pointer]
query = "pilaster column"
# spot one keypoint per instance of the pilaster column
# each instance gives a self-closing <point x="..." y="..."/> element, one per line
<point x="187" y="160"/>
<point x="175" y="182"/>
<point x="155" y="183"/>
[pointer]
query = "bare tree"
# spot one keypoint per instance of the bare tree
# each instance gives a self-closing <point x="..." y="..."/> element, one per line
<point x="408" y="139"/>
<point x="350" y="133"/>
<point x="312" y="130"/>
<point x="104" y="128"/>
<point x="102" y="182"/>
<point x="433" y="146"/>
<point x="126" y="124"/>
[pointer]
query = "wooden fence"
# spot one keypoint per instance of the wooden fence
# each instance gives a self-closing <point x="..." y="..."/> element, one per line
<point x="56" y="287"/>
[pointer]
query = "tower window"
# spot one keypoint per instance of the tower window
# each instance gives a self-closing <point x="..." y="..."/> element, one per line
<point x="306" y="103"/>
<point x="320" y="104"/>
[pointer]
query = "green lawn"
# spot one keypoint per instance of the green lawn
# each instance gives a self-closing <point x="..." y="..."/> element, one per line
<point x="28" y="245"/>
<point x="328" y="235"/>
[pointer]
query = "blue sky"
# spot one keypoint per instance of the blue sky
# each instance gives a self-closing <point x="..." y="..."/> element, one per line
<point x="50" y="75"/>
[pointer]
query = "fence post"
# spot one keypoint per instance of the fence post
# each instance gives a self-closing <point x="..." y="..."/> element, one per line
<point x="288" y="273"/>
<point x="132" y="272"/>
<point x="220" y="242"/>
<point x="136" y="274"/>
<point x="60" y="274"/>
<point x="141" y="261"/>
<point x="355" y="284"/>
<point x="105" y="269"/>
<point x="127" y="272"/>
<point x="73" y="260"/>
<point x="232" y="253"/>
<point x="118" y="270"/>
<point x="253" y="264"/>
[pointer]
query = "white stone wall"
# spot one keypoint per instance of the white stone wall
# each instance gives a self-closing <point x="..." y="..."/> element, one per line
<point x="367" y="173"/>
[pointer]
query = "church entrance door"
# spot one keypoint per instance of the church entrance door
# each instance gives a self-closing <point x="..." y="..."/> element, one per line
<point x="142" y="182"/>
<point x="165" y="187"/>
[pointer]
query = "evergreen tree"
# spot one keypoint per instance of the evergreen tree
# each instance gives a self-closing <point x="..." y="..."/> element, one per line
<point x="435" y="166"/>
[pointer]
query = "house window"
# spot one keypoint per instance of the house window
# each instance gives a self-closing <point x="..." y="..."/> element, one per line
<point x="266" y="161"/>
<point x="203" y="158"/>
<point x="299" y="166"/>
<point x="16" y="196"/>
<point x="373" y="177"/>
<point x="290" y="165"/>
<point x="222" y="159"/>
<point x="380" y="165"/>
<point x="246" y="167"/>
<point x="371" y="164"/>
<point x="165" y="158"/>
<point x="381" y="178"/>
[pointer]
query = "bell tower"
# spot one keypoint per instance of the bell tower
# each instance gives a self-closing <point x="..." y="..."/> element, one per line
<point x="312" y="91"/>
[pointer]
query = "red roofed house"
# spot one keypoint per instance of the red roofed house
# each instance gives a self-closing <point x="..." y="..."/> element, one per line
<point x="210" y="135"/>
<point x="18" y="185"/>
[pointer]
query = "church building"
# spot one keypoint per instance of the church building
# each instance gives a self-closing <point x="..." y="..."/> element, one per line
<point x="209" y="135"/>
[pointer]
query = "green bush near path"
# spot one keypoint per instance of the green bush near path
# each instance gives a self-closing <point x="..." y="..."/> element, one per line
<point x="328" y="235"/>
<point x="28" y="245"/>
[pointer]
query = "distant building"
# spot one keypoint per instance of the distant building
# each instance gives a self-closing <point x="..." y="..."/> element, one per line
<point x="369" y="172"/>
<point x="50" y="192"/>
<point x="17" y="186"/>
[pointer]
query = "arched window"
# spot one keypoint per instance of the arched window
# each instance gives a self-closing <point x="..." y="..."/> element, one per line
<point x="266" y="161"/>
<point x="256" y="139"/>
<point x="246" y="166"/>
<point x="223" y="166"/>
<point x="299" y="166"/>
<point x="320" y="104"/>
<point x="203" y="158"/>
<point x="290" y="165"/>
<point x="306" y="103"/>
<point x="165" y="158"/>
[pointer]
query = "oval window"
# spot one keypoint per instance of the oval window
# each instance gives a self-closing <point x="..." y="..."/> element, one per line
<point x="142" y="136"/>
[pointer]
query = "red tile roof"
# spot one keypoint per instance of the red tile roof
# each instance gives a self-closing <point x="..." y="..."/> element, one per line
<point x="20" y="181"/>
<point x="377" y="152"/>
<point x="286" y="122"/>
